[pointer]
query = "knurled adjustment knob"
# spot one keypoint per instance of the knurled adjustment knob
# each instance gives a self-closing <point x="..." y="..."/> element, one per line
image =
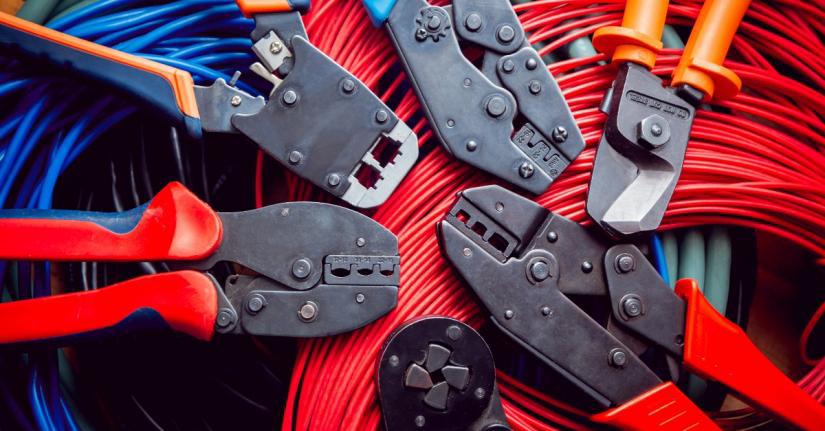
<point x="433" y="23"/>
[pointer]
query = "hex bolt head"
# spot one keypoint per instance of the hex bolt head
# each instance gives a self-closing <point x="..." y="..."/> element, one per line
<point x="587" y="267"/>
<point x="454" y="332"/>
<point x="526" y="170"/>
<point x="255" y="303"/>
<point x="617" y="358"/>
<point x="301" y="268"/>
<point x="348" y="85"/>
<point x="295" y="157"/>
<point x="472" y="145"/>
<point x="540" y="271"/>
<point x="559" y="134"/>
<point x="359" y="298"/>
<point x="531" y="64"/>
<point x="625" y="263"/>
<point x="509" y="314"/>
<point x="496" y="106"/>
<point x="552" y="236"/>
<point x="289" y="97"/>
<point x="654" y="131"/>
<point x="235" y="101"/>
<point x="508" y="66"/>
<point x="224" y="318"/>
<point x="506" y="34"/>
<point x="473" y="22"/>
<point x="333" y="180"/>
<point x="535" y="88"/>
<point x="632" y="306"/>
<point x="382" y="116"/>
<point x="308" y="311"/>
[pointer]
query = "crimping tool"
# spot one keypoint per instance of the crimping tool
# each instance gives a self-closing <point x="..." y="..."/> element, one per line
<point x="537" y="272"/>
<point x="437" y="373"/>
<point x="321" y="269"/>
<point x="319" y="121"/>
<point x="640" y="155"/>
<point x="474" y="110"/>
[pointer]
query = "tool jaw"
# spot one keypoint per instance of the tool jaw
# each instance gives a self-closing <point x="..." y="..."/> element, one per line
<point x="640" y="156"/>
<point x="472" y="111"/>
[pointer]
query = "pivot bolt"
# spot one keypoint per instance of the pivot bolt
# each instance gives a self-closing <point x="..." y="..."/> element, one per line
<point x="496" y="106"/>
<point x="654" y="131"/>
<point x="617" y="358"/>
<point x="295" y="157"/>
<point x="348" y="86"/>
<point x="506" y="34"/>
<point x="235" y="101"/>
<point x="434" y="22"/>
<point x="526" y="170"/>
<point x="290" y="97"/>
<point x="473" y="22"/>
<point x="508" y="66"/>
<point x="308" y="312"/>
<point x="333" y="180"/>
<point x="540" y="271"/>
<point x="625" y="263"/>
<point x="255" y="303"/>
<point x="224" y="318"/>
<point x="382" y="116"/>
<point x="632" y="306"/>
<point x="301" y="268"/>
<point x="559" y="134"/>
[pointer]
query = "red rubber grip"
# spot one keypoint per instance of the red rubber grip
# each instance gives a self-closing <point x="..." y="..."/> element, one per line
<point x="186" y="300"/>
<point x="175" y="226"/>
<point x="663" y="408"/>
<point x="717" y="349"/>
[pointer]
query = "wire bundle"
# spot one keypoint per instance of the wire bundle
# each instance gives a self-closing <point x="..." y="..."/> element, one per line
<point x="755" y="161"/>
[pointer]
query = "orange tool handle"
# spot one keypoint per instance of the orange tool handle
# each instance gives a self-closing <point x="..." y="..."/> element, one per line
<point x="252" y="7"/>
<point x="717" y="349"/>
<point x="701" y="63"/>
<point x="639" y="38"/>
<point x="663" y="408"/>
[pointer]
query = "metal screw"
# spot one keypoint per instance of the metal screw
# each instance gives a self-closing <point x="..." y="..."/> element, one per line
<point x="506" y="34"/>
<point x="359" y="298"/>
<point x="382" y="116"/>
<point x="360" y="242"/>
<point x="235" y="101"/>
<point x="617" y="358"/>
<point x="394" y="361"/>
<point x="545" y="311"/>
<point x="531" y="64"/>
<point x="301" y="268"/>
<point x="467" y="252"/>
<point x="333" y="180"/>
<point x="508" y="66"/>
<point x="256" y="303"/>
<point x="587" y="267"/>
<point x="535" y="87"/>
<point x="625" y="263"/>
<point x="348" y="85"/>
<point x="656" y="129"/>
<point x="308" y="311"/>
<point x="559" y="134"/>
<point x="421" y="35"/>
<point x="224" y="318"/>
<point x="420" y="421"/>
<point x="499" y="207"/>
<point x="473" y="22"/>
<point x="276" y="46"/>
<point x="552" y="236"/>
<point x="295" y="157"/>
<point x="468" y="82"/>
<point x="526" y="170"/>
<point x="496" y="106"/>
<point x="450" y="123"/>
<point x="289" y="97"/>
<point x="509" y="314"/>
<point x="472" y="145"/>
<point x="540" y="271"/>
<point x="480" y="393"/>
<point x="632" y="306"/>
<point x="454" y="332"/>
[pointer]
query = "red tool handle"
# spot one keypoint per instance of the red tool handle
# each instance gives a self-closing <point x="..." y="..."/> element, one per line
<point x="717" y="349"/>
<point x="663" y="408"/>
<point x="185" y="301"/>
<point x="176" y="225"/>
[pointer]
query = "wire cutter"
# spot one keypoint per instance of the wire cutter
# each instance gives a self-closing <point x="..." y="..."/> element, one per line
<point x="321" y="269"/>
<point x="537" y="273"/>
<point x="437" y="373"/>
<point x="319" y="121"/>
<point x="475" y="110"/>
<point x="640" y="155"/>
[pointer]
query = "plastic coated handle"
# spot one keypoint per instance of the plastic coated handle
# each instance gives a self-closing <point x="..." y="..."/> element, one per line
<point x="379" y="10"/>
<point x="185" y="301"/>
<point x="175" y="225"/>
<point x="701" y="63"/>
<point x="170" y="90"/>
<point x="716" y="348"/>
<point x="639" y="38"/>
<point x="663" y="408"/>
<point x="252" y="7"/>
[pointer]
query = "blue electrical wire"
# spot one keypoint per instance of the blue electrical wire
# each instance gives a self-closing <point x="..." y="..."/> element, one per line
<point x="659" y="257"/>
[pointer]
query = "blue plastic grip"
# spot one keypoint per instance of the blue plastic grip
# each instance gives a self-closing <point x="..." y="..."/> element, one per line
<point x="117" y="222"/>
<point x="379" y="10"/>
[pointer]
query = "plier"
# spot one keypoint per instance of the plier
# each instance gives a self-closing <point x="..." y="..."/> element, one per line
<point x="319" y="269"/>
<point x="319" y="121"/>
<point x="507" y="116"/>
<point x="437" y="373"/>
<point x="589" y="309"/>
<point x="640" y="155"/>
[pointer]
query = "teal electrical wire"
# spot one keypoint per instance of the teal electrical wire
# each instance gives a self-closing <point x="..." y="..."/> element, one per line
<point x="719" y="258"/>
<point x="36" y="10"/>
<point x="671" y="250"/>
<point x="692" y="256"/>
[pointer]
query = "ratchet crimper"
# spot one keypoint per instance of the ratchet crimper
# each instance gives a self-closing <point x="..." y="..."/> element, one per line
<point x="537" y="272"/>
<point x="320" y="121"/>
<point x="437" y="373"/>
<point x="321" y="269"/>
<point x="474" y="110"/>
<point x="640" y="155"/>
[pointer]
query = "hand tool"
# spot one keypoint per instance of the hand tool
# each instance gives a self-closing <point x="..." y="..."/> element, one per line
<point x="537" y="272"/>
<point x="641" y="152"/>
<point x="320" y="269"/>
<point x="474" y="110"/>
<point x="437" y="373"/>
<point x="320" y="121"/>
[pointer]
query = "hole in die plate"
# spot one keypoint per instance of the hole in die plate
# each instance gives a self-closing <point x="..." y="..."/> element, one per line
<point x="367" y="176"/>
<point x="385" y="151"/>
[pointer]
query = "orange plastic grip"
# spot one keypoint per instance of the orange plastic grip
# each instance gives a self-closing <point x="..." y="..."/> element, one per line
<point x="639" y="38"/>
<point x="701" y="63"/>
<point x="252" y="7"/>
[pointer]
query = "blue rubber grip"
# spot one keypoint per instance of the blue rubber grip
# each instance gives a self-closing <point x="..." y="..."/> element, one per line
<point x="379" y="10"/>
<point x="299" y="5"/>
<point x="117" y="222"/>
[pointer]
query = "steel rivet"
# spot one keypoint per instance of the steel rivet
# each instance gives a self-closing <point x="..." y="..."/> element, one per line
<point x="473" y="22"/>
<point x="360" y="242"/>
<point x="308" y="311"/>
<point x="394" y="361"/>
<point x="295" y="157"/>
<point x="454" y="332"/>
<point x="546" y="311"/>
<point x="587" y="267"/>
<point x="224" y="319"/>
<point x="420" y="421"/>
<point x="256" y="303"/>
<point x="290" y="97"/>
<point x="480" y="393"/>
<point x="450" y="123"/>
<point x="508" y="66"/>
<point x="301" y="268"/>
<point x="624" y="263"/>
<point x="617" y="358"/>
<point x="499" y="207"/>
<point x="559" y="134"/>
<point x="472" y="145"/>
<point x="468" y="252"/>
<point x="359" y="298"/>
<point x="333" y="180"/>
<point x="531" y="64"/>
<point x="506" y="34"/>
<point x="235" y="101"/>
<point x="348" y="86"/>
<point x="526" y="170"/>
<point x="509" y="314"/>
<point x="552" y="236"/>
<point x="434" y="22"/>
<point x="535" y="87"/>
<point x="468" y="82"/>
<point x="382" y="116"/>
